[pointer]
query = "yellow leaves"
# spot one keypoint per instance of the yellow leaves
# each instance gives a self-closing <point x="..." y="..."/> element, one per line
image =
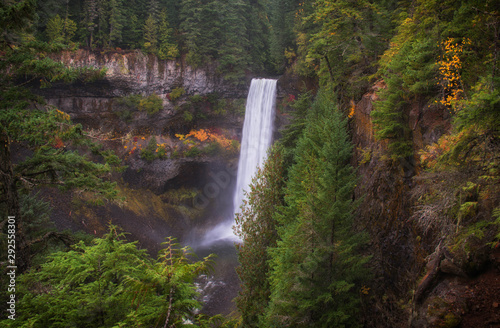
<point x="365" y="290"/>
<point x="450" y="66"/>
<point x="222" y="141"/>
<point x="62" y="115"/>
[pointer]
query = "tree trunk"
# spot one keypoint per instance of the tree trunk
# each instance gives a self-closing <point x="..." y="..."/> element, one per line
<point x="329" y="66"/>
<point x="9" y="189"/>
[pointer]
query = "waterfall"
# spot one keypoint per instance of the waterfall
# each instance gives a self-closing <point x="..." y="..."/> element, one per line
<point x="257" y="134"/>
<point x="256" y="139"/>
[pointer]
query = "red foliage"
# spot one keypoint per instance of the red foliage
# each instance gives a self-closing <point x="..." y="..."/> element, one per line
<point x="58" y="143"/>
<point x="216" y="130"/>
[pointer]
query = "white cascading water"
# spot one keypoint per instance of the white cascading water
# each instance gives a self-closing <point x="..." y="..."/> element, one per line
<point x="256" y="138"/>
<point x="257" y="134"/>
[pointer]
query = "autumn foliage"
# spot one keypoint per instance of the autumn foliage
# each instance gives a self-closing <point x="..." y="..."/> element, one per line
<point x="203" y="136"/>
<point x="450" y="67"/>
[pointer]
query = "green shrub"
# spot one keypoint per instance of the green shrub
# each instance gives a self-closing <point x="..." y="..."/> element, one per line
<point x="192" y="152"/>
<point x="212" y="149"/>
<point x="161" y="152"/>
<point x="152" y="104"/>
<point x="131" y="101"/>
<point x="195" y="99"/>
<point x="149" y="153"/>
<point x="220" y="107"/>
<point x="177" y="93"/>
<point x="125" y="115"/>
<point x="180" y="196"/>
<point x="188" y="116"/>
<point x="94" y="285"/>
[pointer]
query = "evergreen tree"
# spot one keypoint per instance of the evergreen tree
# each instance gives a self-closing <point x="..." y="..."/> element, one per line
<point x="315" y="267"/>
<point x="233" y="52"/>
<point x="150" y="34"/>
<point x="90" y="8"/>
<point x="55" y="28"/>
<point x="256" y="226"/>
<point x="133" y="31"/>
<point x="111" y="283"/>
<point x="294" y="129"/>
<point x="342" y="40"/>
<point x="115" y="22"/>
<point x="282" y="36"/>
<point x="47" y="133"/>
<point x="201" y="23"/>
<point x="232" y="34"/>
<point x="167" y="48"/>
<point x="257" y="34"/>
<point x="103" y="27"/>
<point x="154" y="10"/>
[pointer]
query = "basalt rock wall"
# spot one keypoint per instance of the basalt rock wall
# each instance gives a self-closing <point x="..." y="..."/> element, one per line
<point x="97" y="104"/>
<point x="420" y="279"/>
<point x="136" y="72"/>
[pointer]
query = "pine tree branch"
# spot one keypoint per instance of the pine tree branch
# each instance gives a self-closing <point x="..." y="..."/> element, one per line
<point x="38" y="173"/>
<point x="67" y="240"/>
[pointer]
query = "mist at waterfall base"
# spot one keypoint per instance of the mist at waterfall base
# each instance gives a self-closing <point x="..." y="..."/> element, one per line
<point x="218" y="290"/>
<point x="256" y="139"/>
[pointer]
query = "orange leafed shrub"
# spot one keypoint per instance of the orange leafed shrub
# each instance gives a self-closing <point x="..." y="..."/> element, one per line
<point x="431" y="155"/>
<point x="351" y="110"/>
<point x="203" y="135"/>
<point x="221" y="140"/>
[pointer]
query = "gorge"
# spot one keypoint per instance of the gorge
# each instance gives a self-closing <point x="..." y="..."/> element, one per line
<point x="125" y="156"/>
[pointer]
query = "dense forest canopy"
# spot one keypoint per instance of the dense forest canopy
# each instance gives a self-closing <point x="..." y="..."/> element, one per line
<point x="233" y="33"/>
<point x="308" y="247"/>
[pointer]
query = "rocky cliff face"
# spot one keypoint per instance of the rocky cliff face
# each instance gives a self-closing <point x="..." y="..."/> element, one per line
<point x="422" y="278"/>
<point x="172" y="194"/>
<point x="136" y="72"/>
<point x="97" y="104"/>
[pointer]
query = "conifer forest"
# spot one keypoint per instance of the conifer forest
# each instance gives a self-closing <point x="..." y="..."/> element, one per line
<point x="369" y="180"/>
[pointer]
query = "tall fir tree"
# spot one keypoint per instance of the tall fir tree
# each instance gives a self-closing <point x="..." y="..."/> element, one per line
<point x="282" y="37"/>
<point x="233" y="53"/>
<point x="316" y="269"/>
<point x="167" y="48"/>
<point x="257" y="33"/>
<point x="256" y="226"/>
<point x="116" y="22"/>
<point x="150" y="34"/>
